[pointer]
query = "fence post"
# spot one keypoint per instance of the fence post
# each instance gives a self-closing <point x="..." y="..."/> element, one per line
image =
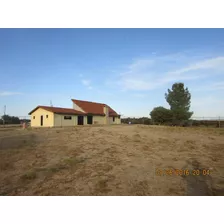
<point x="219" y="122"/>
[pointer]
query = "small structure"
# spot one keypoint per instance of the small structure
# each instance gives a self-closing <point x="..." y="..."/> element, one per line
<point x="83" y="113"/>
<point x="24" y="125"/>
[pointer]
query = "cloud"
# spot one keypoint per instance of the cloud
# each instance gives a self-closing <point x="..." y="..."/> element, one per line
<point x="87" y="83"/>
<point x="8" y="93"/>
<point x="141" y="65"/>
<point x="213" y="63"/>
<point x="156" y="72"/>
<point x="215" y="86"/>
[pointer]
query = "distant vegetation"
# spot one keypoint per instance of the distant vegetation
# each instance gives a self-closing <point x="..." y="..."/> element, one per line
<point x="191" y="122"/>
<point x="179" y="99"/>
<point x="6" y="119"/>
<point x="142" y="120"/>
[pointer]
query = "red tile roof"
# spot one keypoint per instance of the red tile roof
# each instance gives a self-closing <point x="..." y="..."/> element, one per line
<point x="94" y="108"/>
<point x="58" y="110"/>
<point x="88" y="107"/>
<point x="112" y="113"/>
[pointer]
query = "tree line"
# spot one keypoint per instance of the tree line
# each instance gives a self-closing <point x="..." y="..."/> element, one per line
<point x="7" y="119"/>
<point x="133" y="120"/>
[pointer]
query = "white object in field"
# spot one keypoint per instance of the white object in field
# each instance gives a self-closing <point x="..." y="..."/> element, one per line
<point x="129" y="122"/>
<point x="24" y="125"/>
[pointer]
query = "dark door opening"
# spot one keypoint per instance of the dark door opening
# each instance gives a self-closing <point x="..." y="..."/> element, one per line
<point x="89" y="119"/>
<point x="41" y="120"/>
<point x="80" y="120"/>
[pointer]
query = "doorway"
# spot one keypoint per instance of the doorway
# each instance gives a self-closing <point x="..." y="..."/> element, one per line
<point x="80" y="120"/>
<point x="41" y="120"/>
<point x="89" y="119"/>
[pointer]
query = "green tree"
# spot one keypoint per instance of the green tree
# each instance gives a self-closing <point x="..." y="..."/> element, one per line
<point x="10" y="119"/>
<point x="179" y="99"/>
<point x="161" y="115"/>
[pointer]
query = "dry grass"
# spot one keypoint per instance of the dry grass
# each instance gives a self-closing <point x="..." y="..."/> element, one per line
<point x="111" y="160"/>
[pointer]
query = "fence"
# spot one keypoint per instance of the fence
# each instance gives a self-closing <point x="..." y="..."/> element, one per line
<point x="194" y="121"/>
<point x="207" y="121"/>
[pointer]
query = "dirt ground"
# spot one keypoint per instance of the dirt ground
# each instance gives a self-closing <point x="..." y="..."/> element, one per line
<point x="112" y="160"/>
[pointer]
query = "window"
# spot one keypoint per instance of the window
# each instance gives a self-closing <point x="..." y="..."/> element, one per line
<point x="113" y="119"/>
<point x="67" y="117"/>
<point x="46" y="116"/>
<point x="33" y="117"/>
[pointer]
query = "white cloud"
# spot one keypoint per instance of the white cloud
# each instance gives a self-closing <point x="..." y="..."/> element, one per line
<point x="213" y="63"/>
<point x="8" y="93"/>
<point x="209" y="87"/>
<point x="141" y="64"/>
<point x="86" y="82"/>
<point x="202" y="75"/>
<point x="152" y="73"/>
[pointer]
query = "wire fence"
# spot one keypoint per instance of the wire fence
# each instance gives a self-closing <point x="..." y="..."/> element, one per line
<point x="193" y="121"/>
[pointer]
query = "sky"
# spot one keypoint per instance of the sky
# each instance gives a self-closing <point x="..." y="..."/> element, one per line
<point x="128" y="69"/>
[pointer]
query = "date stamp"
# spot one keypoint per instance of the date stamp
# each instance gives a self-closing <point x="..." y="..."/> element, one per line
<point x="182" y="172"/>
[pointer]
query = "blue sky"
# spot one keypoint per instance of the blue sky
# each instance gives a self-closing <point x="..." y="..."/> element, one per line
<point x="128" y="69"/>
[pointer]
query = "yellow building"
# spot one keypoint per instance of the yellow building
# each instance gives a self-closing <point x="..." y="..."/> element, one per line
<point x="83" y="113"/>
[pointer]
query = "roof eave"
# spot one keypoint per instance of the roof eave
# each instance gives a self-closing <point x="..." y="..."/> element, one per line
<point x="68" y="113"/>
<point x="36" y="108"/>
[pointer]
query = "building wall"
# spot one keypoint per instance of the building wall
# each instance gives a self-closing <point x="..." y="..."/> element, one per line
<point x="116" y="121"/>
<point x="106" y="118"/>
<point x="76" y="107"/>
<point x="111" y="120"/>
<point x="57" y="120"/>
<point x="47" y="122"/>
<point x="60" y="121"/>
<point x="98" y="119"/>
<point x="85" y="120"/>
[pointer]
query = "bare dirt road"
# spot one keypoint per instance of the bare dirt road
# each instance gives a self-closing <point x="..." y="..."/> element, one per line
<point x="112" y="160"/>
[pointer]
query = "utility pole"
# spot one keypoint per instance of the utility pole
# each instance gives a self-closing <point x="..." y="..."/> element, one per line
<point x="219" y="122"/>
